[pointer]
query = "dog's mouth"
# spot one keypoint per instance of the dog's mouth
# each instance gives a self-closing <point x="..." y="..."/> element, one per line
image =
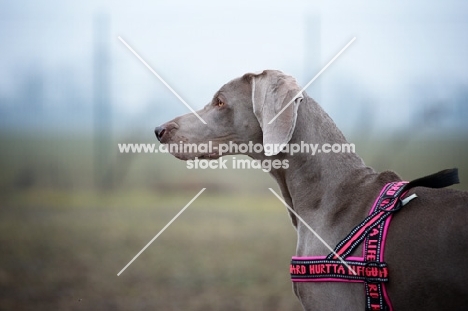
<point x="179" y="151"/>
<point x="207" y="156"/>
<point x="210" y="156"/>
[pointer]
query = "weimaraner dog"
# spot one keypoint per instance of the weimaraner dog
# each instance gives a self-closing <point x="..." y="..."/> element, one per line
<point x="426" y="249"/>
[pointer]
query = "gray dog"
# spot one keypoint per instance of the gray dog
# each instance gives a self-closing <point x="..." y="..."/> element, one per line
<point x="426" y="248"/>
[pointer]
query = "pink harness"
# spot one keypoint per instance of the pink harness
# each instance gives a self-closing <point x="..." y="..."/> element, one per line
<point x="371" y="268"/>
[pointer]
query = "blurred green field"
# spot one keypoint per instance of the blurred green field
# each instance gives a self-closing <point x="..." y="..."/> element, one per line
<point x="63" y="241"/>
<point x="222" y="253"/>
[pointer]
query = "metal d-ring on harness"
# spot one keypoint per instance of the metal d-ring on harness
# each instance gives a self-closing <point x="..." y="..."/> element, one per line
<point x="371" y="268"/>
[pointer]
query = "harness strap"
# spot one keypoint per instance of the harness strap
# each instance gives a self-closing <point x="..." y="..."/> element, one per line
<point x="440" y="179"/>
<point x="385" y="205"/>
<point x="376" y="293"/>
<point x="322" y="269"/>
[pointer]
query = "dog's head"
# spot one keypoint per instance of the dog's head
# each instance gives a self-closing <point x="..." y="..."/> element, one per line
<point x="245" y="110"/>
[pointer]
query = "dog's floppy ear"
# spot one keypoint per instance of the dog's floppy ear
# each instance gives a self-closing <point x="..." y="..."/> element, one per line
<point x="272" y="91"/>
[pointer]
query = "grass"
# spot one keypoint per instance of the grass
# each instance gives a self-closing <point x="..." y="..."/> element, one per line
<point x="222" y="253"/>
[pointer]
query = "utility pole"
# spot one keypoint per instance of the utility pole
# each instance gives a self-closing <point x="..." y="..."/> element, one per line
<point x="313" y="55"/>
<point x="102" y="108"/>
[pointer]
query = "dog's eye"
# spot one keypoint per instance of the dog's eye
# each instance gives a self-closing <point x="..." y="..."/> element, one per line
<point x="219" y="102"/>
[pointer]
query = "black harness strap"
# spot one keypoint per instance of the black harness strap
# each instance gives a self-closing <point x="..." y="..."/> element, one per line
<point x="440" y="179"/>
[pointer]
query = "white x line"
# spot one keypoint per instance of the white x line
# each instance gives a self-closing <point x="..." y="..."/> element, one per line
<point x="313" y="79"/>
<point x="160" y="232"/>
<point x="313" y="231"/>
<point x="161" y="79"/>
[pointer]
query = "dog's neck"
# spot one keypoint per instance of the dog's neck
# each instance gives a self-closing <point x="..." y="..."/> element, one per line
<point x="319" y="187"/>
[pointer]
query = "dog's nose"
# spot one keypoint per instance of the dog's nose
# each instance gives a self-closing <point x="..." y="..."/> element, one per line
<point x="163" y="132"/>
<point x="159" y="131"/>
